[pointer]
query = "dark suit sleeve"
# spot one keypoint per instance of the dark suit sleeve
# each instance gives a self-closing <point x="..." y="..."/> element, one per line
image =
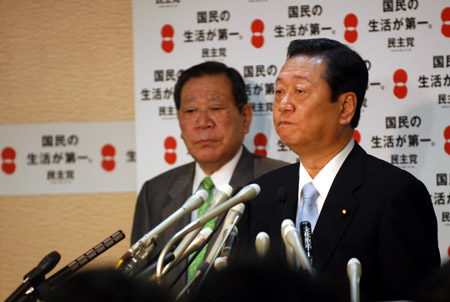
<point x="408" y="244"/>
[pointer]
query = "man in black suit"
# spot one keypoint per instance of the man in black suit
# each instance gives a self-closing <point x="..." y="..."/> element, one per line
<point x="214" y="116"/>
<point x="366" y="207"/>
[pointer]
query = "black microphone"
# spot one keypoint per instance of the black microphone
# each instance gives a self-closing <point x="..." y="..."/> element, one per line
<point x="46" y="265"/>
<point x="230" y="243"/>
<point x="36" y="275"/>
<point x="306" y="234"/>
<point x="281" y="198"/>
<point x="84" y="259"/>
<point x="201" y="268"/>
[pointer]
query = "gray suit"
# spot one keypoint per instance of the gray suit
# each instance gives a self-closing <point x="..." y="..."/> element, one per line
<point x="164" y="194"/>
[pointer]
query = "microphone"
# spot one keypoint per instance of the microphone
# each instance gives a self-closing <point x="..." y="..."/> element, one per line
<point x="36" y="275"/>
<point x="306" y="233"/>
<point x="42" y="290"/>
<point x="45" y="266"/>
<point x="139" y="251"/>
<point x="201" y="268"/>
<point x="290" y="255"/>
<point x="222" y="194"/>
<point x="354" y="272"/>
<point x="197" y="242"/>
<point x="149" y="271"/>
<point x="230" y="243"/>
<point x="233" y="214"/>
<point x="281" y="198"/>
<point x="231" y="220"/>
<point x="84" y="259"/>
<point x="180" y="252"/>
<point x="293" y="238"/>
<point x="220" y="264"/>
<point x="262" y="244"/>
<point x="247" y="193"/>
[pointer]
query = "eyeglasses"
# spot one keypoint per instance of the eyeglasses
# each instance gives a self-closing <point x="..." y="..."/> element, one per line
<point x="216" y="112"/>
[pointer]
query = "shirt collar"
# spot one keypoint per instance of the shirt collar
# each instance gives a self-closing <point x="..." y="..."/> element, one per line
<point x="219" y="177"/>
<point x="323" y="181"/>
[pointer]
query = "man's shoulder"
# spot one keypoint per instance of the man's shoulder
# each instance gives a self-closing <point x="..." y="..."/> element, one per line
<point x="384" y="173"/>
<point x="264" y="165"/>
<point x="279" y="173"/>
<point x="169" y="176"/>
<point x="378" y="166"/>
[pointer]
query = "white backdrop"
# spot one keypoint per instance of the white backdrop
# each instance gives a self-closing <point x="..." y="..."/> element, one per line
<point x="405" y="119"/>
<point x="67" y="158"/>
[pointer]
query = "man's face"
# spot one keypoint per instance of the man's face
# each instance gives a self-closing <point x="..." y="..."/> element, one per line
<point x="211" y="141"/>
<point x="303" y="115"/>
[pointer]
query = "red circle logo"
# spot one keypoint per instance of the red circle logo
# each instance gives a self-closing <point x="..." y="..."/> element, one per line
<point x="260" y="141"/>
<point x="400" y="78"/>
<point x="257" y="28"/>
<point x="8" y="156"/>
<point x="167" y="33"/>
<point x="447" y="140"/>
<point x="445" y="16"/>
<point x="108" y="153"/>
<point x="170" y="144"/>
<point x="350" y="23"/>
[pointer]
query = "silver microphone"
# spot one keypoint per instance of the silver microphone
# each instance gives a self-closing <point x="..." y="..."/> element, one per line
<point x="143" y="247"/>
<point x="290" y="255"/>
<point x="197" y="242"/>
<point x="247" y="193"/>
<point x="222" y="194"/>
<point x="233" y="214"/>
<point x="220" y="264"/>
<point x="262" y="244"/>
<point x="293" y="238"/>
<point x="354" y="272"/>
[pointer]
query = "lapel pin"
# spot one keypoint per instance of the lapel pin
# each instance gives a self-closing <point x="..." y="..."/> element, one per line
<point x="344" y="211"/>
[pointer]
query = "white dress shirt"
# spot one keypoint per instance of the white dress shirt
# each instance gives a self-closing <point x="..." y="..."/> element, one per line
<point x="323" y="181"/>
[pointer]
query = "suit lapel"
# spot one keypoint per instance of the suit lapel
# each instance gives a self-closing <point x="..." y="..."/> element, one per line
<point x="178" y="193"/>
<point x="338" y="209"/>
<point x="243" y="172"/>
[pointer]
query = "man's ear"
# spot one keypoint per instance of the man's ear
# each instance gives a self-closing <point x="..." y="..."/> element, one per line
<point x="247" y="113"/>
<point x="348" y="103"/>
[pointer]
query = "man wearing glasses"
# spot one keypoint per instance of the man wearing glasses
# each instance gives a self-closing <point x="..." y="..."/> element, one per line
<point x="214" y="117"/>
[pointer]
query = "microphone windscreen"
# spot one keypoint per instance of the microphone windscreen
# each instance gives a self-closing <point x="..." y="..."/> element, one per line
<point x="226" y="188"/>
<point x="220" y="264"/>
<point x="354" y="267"/>
<point x="262" y="244"/>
